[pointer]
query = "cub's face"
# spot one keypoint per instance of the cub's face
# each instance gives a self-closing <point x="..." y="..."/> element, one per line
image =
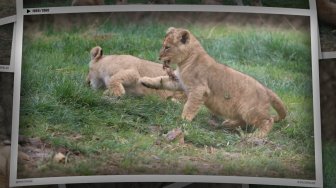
<point x="175" y="46"/>
<point x="88" y="79"/>
<point x="90" y="75"/>
<point x="93" y="80"/>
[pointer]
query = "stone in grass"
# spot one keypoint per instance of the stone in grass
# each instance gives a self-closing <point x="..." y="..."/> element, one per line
<point x="175" y="134"/>
<point x="59" y="157"/>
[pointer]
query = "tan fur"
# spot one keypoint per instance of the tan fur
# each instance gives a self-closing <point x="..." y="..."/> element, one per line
<point x="87" y="2"/>
<point x="120" y="75"/>
<point x="226" y="92"/>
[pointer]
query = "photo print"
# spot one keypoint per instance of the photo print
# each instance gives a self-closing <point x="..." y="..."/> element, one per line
<point x="104" y="98"/>
<point x="326" y="10"/>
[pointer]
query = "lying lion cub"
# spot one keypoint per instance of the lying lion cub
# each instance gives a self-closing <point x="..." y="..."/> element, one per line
<point x="226" y="92"/>
<point x="120" y="75"/>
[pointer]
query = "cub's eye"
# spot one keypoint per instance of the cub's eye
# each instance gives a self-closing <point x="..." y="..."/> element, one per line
<point x="166" y="47"/>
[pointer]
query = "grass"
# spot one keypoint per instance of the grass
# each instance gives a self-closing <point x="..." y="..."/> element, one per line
<point x="124" y="135"/>
<point x="329" y="169"/>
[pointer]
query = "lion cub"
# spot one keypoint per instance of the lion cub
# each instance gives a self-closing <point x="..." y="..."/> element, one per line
<point x="120" y="74"/>
<point x="239" y="98"/>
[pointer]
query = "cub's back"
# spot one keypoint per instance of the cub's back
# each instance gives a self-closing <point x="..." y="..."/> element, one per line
<point x="151" y="69"/>
<point x="224" y="80"/>
<point x="115" y="63"/>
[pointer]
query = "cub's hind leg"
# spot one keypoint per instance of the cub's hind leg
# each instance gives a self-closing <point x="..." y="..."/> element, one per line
<point x="115" y="85"/>
<point x="259" y="116"/>
<point x="264" y="126"/>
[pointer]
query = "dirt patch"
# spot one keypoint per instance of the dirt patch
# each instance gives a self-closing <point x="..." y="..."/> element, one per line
<point x="251" y="141"/>
<point x="35" y="153"/>
<point x="36" y="160"/>
<point x="32" y="152"/>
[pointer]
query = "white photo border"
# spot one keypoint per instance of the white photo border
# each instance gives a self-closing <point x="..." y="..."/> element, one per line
<point x="168" y="178"/>
<point x="7" y="20"/>
<point x="328" y="55"/>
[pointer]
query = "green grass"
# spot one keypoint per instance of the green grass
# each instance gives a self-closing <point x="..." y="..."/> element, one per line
<point x="116" y="134"/>
<point x="329" y="169"/>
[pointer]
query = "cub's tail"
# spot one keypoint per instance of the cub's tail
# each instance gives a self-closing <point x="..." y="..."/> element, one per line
<point x="278" y="105"/>
<point x="96" y="53"/>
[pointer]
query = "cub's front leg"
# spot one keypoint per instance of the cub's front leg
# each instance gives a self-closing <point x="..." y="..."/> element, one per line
<point x="194" y="102"/>
<point x="161" y="82"/>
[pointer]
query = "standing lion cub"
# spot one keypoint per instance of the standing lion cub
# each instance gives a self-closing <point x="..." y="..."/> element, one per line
<point x="120" y="74"/>
<point x="239" y="98"/>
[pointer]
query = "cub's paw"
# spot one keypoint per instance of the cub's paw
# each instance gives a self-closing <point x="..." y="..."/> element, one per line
<point x="187" y="116"/>
<point x="231" y="124"/>
<point x="115" y="93"/>
<point x="259" y="134"/>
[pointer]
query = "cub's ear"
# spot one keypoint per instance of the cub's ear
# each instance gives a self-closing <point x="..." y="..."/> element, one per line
<point x="101" y="52"/>
<point x="184" y="36"/>
<point x="170" y="29"/>
<point x="96" y="53"/>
